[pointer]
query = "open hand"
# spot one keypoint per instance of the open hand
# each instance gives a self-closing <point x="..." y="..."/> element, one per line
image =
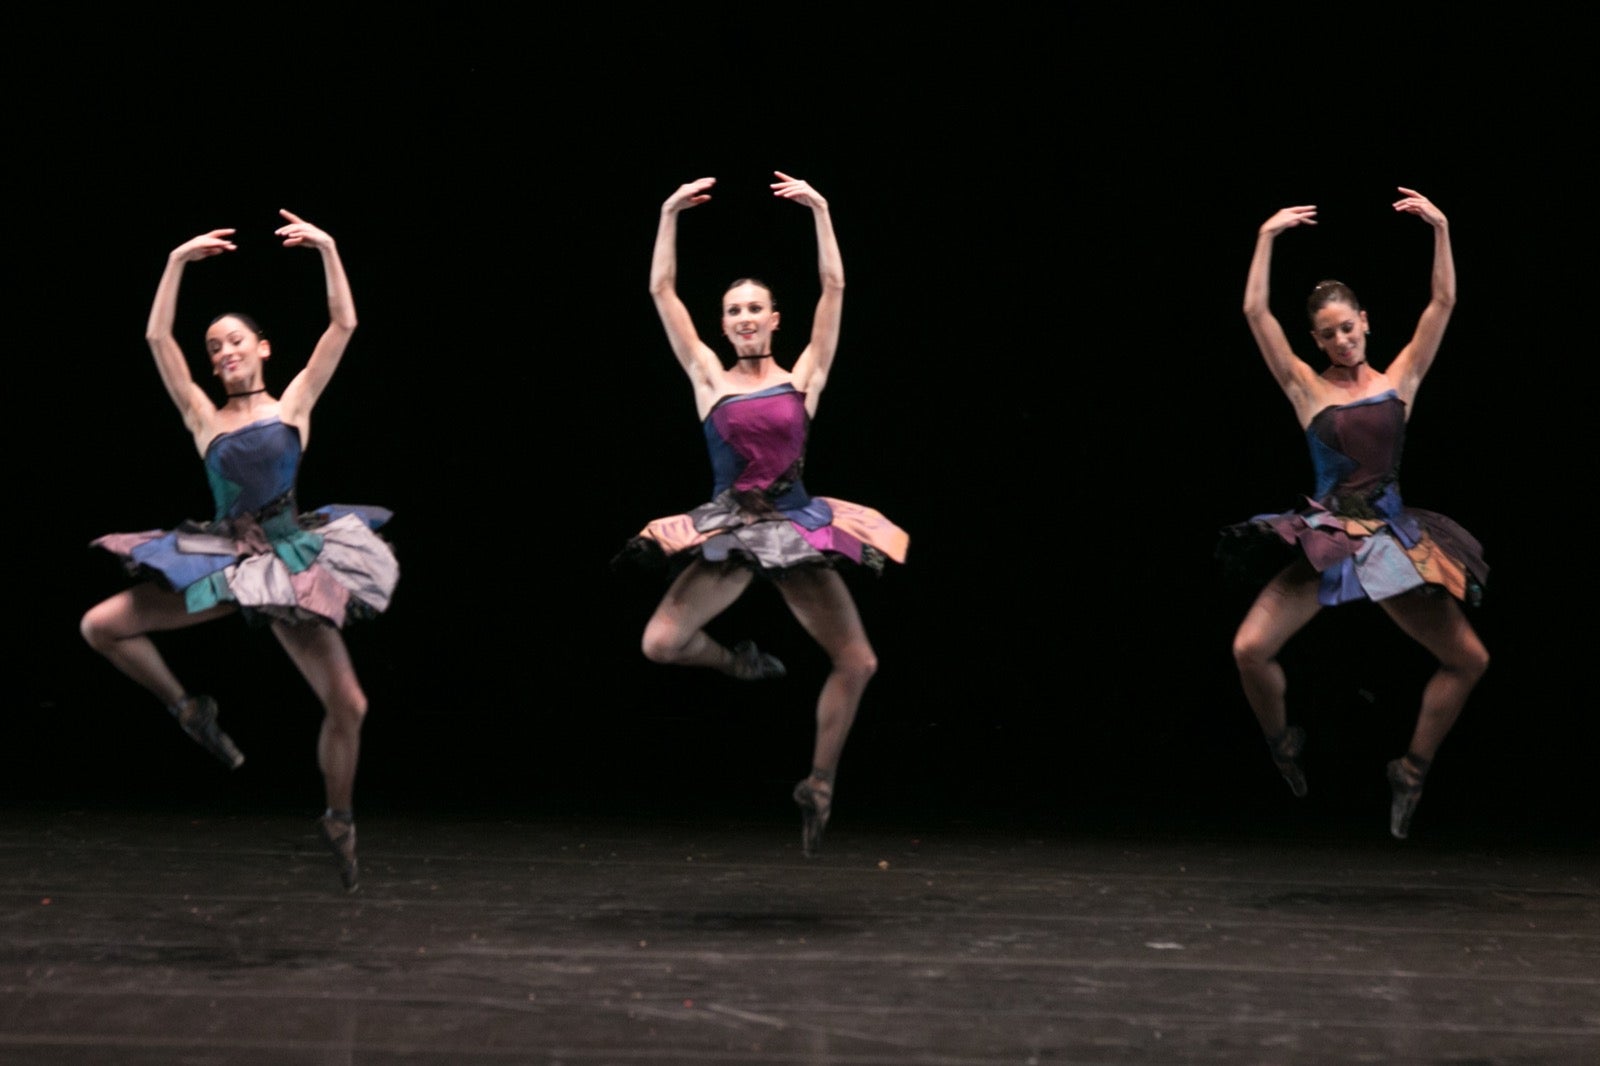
<point x="1288" y="218"/>
<point x="690" y="194"/>
<point x="204" y="246"/>
<point x="299" y="232"/>
<point x="1417" y="204"/>
<point x="797" y="190"/>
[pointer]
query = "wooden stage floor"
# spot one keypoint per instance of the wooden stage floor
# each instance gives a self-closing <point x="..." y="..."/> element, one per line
<point x="179" y="938"/>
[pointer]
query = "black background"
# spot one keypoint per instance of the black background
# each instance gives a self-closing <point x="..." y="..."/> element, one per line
<point x="1044" y="377"/>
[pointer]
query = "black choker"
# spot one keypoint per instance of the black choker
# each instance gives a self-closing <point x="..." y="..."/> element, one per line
<point x="742" y="358"/>
<point x="252" y="392"/>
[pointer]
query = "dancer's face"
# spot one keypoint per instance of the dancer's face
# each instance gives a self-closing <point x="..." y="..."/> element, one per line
<point x="236" y="351"/>
<point x="1341" y="332"/>
<point x="748" y="319"/>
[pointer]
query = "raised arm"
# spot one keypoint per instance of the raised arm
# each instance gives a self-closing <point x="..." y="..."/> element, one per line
<point x="1411" y="365"/>
<point x="191" y="401"/>
<point x="695" y="356"/>
<point x="811" y="369"/>
<point x="302" y="394"/>
<point x="1291" y="373"/>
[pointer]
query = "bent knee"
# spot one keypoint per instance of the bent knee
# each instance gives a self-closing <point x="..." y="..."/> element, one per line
<point x="98" y="629"/>
<point x="857" y="660"/>
<point x="89" y="629"/>
<point x="661" y="642"/>
<point x="1250" y="652"/>
<point x="1473" y="662"/>
<point x="347" y="706"/>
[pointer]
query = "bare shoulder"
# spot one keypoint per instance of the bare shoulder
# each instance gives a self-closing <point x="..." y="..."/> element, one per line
<point x="726" y="384"/>
<point x="225" y="421"/>
<point x="1324" y="393"/>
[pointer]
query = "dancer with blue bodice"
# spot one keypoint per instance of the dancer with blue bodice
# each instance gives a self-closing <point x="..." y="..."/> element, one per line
<point x="1355" y="539"/>
<point x="761" y="519"/>
<point x="305" y="575"/>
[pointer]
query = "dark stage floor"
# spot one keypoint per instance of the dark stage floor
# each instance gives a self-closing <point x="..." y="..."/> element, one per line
<point x="154" y="937"/>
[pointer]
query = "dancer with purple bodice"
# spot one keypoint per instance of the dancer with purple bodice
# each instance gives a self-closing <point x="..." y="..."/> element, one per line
<point x="761" y="520"/>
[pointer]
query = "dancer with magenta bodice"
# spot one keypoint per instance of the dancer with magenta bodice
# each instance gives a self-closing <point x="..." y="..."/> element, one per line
<point x="305" y="575"/>
<point x="1355" y="539"/>
<point x="756" y="416"/>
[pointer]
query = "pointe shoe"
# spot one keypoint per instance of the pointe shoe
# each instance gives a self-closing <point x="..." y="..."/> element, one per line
<point x="198" y="717"/>
<point x="338" y="831"/>
<point x="750" y="663"/>
<point x="816" y="805"/>
<point x="1286" y="748"/>
<point x="1405" y="792"/>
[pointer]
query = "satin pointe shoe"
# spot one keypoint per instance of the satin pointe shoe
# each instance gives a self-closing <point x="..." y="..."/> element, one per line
<point x="338" y="832"/>
<point x="1405" y="792"/>
<point x="198" y="717"/>
<point x="1286" y="748"/>
<point x="750" y="663"/>
<point x="816" y="804"/>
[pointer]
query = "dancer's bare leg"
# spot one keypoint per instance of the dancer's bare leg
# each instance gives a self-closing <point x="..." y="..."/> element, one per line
<point x="1437" y="622"/>
<point x="117" y="628"/>
<point x="676" y="632"/>
<point x="319" y="653"/>
<point x="1281" y="610"/>
<point x="823" y="606"/>
<point x="820" y="600"/>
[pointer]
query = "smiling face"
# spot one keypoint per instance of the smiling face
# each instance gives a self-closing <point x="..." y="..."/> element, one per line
<point x="237" y="352"/>
<point x="748" y="319"/>
<point x="1341" y="332"/>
